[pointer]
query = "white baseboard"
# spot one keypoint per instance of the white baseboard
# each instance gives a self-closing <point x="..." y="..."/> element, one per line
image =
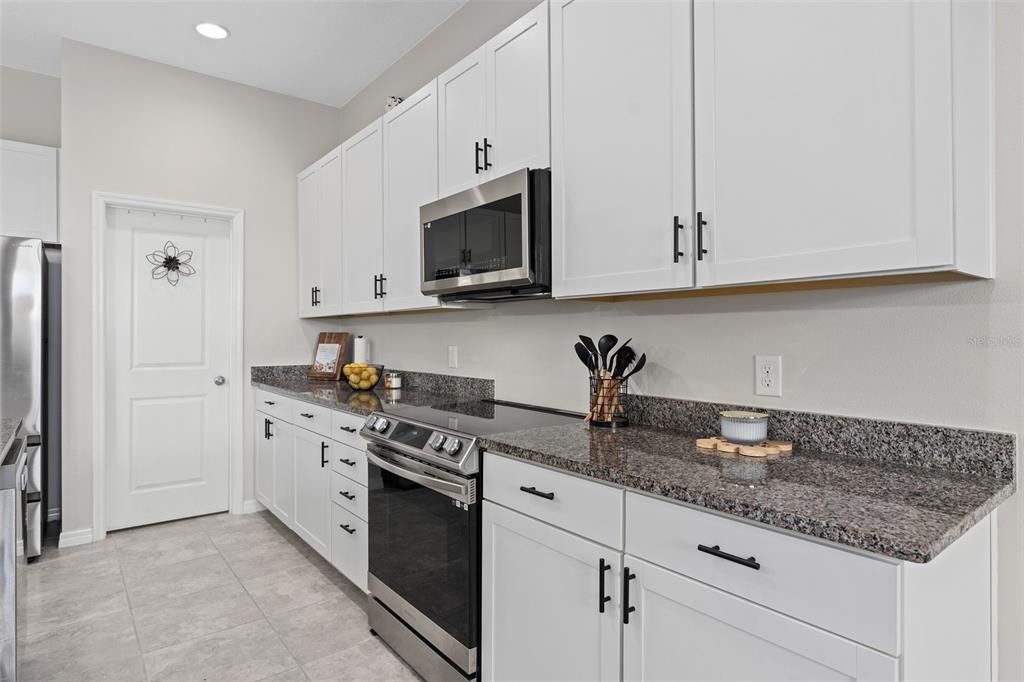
<point x="251" y="506"/>
<point x="71" y="538"/>
<point x="53" y="514"/>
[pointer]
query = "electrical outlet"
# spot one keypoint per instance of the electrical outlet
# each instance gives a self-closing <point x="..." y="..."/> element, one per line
<point x="453" y="356"/>
<point x="768" y="375"/>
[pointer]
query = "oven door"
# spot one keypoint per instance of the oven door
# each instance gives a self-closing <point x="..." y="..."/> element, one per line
<point x="478" y="239"/>
<point x="424" y="531"/>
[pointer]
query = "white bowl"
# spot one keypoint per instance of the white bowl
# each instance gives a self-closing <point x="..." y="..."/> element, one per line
<point x="745" y="428"/>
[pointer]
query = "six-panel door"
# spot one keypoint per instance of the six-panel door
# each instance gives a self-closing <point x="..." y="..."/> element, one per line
<point x="823" y="138"/>
<point x="312" y="490"/>
<point x="621" y="119"/>
<point x="683" y="631"/>
<point x="542" y="617"/>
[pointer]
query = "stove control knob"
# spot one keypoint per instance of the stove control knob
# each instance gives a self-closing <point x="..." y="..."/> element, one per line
<point x="437" y="441"/>
<point x="382" y="425"/>
<point x="453" y="447"/>
<point x="370" y="421"/>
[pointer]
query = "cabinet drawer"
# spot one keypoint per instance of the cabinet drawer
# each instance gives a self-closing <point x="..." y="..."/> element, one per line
<point x="273" y="404"/>
<point x="349" y="462"/>
<point x="589" y="509"/>
<point x="851" y="595"/>
<point x="348" y="494"/>
<point x="312" y="417"/>
<point x="345" y="429"/>
<point x="349" y="547"/>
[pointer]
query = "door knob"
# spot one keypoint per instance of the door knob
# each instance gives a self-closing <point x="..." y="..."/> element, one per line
<point x="219" y="381"/>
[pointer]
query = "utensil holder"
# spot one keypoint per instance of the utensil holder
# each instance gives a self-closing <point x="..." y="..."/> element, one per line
<point x="607" y="400"/>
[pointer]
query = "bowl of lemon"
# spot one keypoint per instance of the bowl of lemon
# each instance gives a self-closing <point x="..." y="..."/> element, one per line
<point x="362" y="376"/>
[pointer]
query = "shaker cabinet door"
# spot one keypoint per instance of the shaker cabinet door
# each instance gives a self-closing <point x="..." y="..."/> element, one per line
<point x="362" y="214"/>
<point x="541" y="595"/>
<point x="308" y="233"/>
<point x="312" y="490"/>
<point x="682" y="631"/>
<point x="283" y="505"/>
<point x="823" y="138"/>
<point x="621" y="153"/>
<point x="462" y="123"/>
<point x="264" y="449"/>
<point x="329" y="233"/>
<point x="410" y="181"/>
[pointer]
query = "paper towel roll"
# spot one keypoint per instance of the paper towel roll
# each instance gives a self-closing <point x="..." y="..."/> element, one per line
<point x="361" y="350"/>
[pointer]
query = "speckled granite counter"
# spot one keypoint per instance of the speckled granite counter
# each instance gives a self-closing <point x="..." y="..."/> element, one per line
<point x="900" y="511"/>
<point x="8" y="427"/>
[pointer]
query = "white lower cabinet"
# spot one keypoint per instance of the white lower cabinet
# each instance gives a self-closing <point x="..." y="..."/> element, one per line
<point x="542" y="617"/>
<point x="312" y="490"/>
<point x="282" y="504"/>
<point x="349" y="546"/>
<point x="683" y="630"/>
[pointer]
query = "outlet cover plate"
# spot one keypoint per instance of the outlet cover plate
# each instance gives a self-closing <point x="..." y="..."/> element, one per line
<point x="453" y="356"/>
<point x="768" y="375"/>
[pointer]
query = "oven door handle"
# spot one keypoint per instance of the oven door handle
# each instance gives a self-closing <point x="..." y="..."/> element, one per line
<point x="456" y="491"/>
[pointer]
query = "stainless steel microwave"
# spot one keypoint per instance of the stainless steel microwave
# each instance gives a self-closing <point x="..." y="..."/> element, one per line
<point x="490" y="242"/>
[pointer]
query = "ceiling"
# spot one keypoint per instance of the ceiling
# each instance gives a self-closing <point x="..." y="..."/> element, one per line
<point x="321" y="50"/>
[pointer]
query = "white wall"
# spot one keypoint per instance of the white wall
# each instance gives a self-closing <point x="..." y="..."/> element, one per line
<point x="137" y="127"/>
<point x="949" y="353"/>
<point x="29" y="107"/>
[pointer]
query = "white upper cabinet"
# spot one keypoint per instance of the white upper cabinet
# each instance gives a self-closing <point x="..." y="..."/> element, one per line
<point x="824" y="138"/>
<point x="462" y="123"/>
<point x="319" y="223"/>
<point x="28" y="191"/>
<point x="621" y="127"/>
<point x="493" y="107"/>
<point x="362" y="216"/>
<point x="410" y="180"/>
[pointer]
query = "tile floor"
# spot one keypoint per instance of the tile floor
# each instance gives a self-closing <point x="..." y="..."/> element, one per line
<point x="219" y="598"/>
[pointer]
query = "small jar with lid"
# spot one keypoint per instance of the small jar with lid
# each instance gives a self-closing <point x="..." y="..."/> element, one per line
<point x="392" y="380"/>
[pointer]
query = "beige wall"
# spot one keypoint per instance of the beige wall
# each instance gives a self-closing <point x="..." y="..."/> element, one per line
<point x="137" y="127"/>
<point x="29" y="107"/>
<point x="898" y="352"/>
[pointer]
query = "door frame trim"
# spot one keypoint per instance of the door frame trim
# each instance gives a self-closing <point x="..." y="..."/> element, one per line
<point x="101" y="202"/>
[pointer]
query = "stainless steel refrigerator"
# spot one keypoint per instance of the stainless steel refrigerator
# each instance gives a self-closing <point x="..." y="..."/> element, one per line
<point x="25" y="391"/>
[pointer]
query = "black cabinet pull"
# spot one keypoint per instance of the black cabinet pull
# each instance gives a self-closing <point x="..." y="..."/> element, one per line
<point x="376" y="292"/>
<point x="382" y="280"/>
<point x="312" y="296"/>
<point x="266" y="429"/>
<point x="487" y="145"/>
<point x="627" y="578"/>
<point x="347" y="461"/>
<point x="676" y="227"/>
<point x="602" y="567"/>
<point x="478" y="150"/>
<point x="749" y="562"/>
<point x="347" y="428"/>
<point x="269" y="402"/>
<point x="534" y="491"/>
<point x="700" y="235"/>
<point x="316" y="296"/>
<point x="348" y="529"/>
<point x="270" y="434"/>
<point x="323" y="454"/>
<point x="307" y="415"/>
<point x="346" y="495"/>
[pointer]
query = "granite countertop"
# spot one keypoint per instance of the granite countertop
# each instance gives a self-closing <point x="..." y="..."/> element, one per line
<point x="904" y="512"/>
<point x="8" y="427"/>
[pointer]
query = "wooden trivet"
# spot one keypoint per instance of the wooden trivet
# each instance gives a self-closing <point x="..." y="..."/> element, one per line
<point x="763" y="449"/>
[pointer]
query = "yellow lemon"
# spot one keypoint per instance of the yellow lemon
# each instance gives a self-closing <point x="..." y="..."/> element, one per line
<point x="364" y="385"/>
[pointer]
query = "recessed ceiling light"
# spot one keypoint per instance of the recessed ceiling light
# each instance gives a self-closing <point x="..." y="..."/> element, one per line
<point x="214" y="31"/>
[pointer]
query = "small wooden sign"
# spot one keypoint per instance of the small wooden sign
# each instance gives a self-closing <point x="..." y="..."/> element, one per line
<point x="329" y="356"/>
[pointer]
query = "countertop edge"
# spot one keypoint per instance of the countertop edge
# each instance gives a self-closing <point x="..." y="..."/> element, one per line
<point x="918" y="553"/>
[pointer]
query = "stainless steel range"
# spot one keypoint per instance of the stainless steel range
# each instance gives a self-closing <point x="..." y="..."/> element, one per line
<point x="424" y="527"/>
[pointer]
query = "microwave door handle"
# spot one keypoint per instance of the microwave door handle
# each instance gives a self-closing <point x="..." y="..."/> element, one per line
<point x="454" y="490"/>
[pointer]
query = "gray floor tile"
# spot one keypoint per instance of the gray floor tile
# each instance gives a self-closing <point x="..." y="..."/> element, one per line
<point x="242" y="654"/>
<point x="78" y="599"/>
<point x="141" y="556"/>
<point x="290" y="589"/>
<point x="368" y="660"/>
<point x="321" y="629"/>
<point x="129" y="536"/>
<point x="97" y="649"/>
<point x="177" y="620"/>
<point x="261" y="560"/>
<point x="214" y="522"/>
<point x="293" y="675"/>
<point x="178" y="579"/>
<point x="239" y="537"/>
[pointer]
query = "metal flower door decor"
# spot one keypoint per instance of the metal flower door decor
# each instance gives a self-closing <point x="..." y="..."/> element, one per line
<point x="170" y="263"/>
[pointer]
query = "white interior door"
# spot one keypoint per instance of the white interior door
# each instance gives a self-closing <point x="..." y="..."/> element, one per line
<point x="410" y="180"/>
<point x="167" y="419"/>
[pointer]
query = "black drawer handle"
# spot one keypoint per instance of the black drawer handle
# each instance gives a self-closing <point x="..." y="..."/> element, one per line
<point x="750" y="562"/>
<point x="347" y="428"/>
<point x="323" y="454"/>
<point x="602" y="567"/>
<point x="269" y="402"/>
<point x="347" y="461"/>
<point x="346" y="495"/>
<point x="348" y="529"/>
<point x="307" y="415"/>
<point x="534" y="491"/>
<point x="627" y="577"/>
